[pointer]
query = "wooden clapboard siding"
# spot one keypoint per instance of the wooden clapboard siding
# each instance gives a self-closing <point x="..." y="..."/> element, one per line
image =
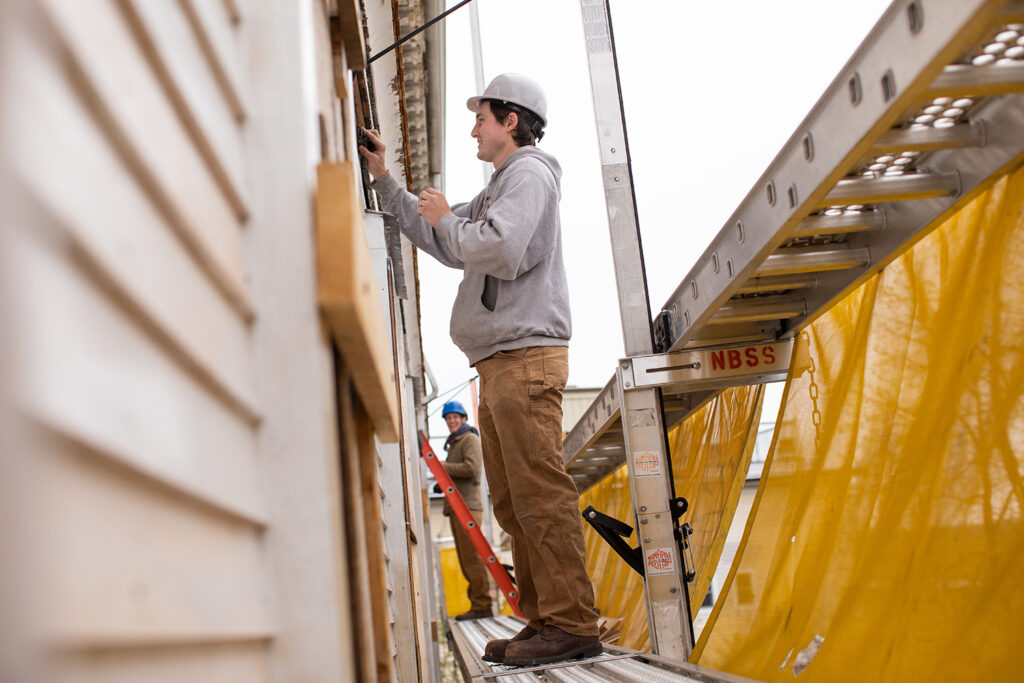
<point x="116" y="79"/>
<point x="173" y="372"/>
<point x="376" y="552"/>
<point x="141" y="563"/>
<point x="95" y="375"/>
<point x="176" y="54"/>
<point x="328" y="104"/>
<point x="135" y="351"/>
<point x="210" y="663"/>
<point x="389" y="569"/>
<point x="234" y="10"/>
<point x="217" y="32"/>
<point x="120" y="230"/>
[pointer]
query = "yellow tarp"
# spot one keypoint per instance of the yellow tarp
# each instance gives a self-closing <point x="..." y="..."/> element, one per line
<point x="455" y="584"/>
<point x="710" y="455"/>
<point x="889" y="527"/>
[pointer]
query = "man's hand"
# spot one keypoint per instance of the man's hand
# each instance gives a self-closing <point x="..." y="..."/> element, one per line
<point x="375" y="160"/>
<point x="432" y="206"/>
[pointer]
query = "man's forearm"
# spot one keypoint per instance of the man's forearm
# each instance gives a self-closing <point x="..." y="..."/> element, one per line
<point x="402" y="203"/>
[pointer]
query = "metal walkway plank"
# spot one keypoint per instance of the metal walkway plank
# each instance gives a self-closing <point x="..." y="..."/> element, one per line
<point x="468" y="639"/>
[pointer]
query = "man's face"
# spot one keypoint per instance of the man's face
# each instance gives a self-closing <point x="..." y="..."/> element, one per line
<point x="454" y="421"/>
<point x="492" y="137"/>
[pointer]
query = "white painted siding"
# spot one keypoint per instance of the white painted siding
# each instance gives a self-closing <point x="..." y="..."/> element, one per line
<point x="177" y="514"/>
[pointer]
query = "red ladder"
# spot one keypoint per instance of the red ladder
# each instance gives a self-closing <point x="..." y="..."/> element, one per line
<point x="497" y="570"/>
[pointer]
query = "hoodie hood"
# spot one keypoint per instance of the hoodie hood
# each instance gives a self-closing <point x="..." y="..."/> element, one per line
<point x="533" y="152"/>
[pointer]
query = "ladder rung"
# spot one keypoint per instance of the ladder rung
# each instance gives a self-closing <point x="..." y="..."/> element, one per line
<point x="848" y="221"/>
<point x="587" y="459"/>
<point x="958" y="80"/>
<point x="610" y="437"/>
<point x="760" y="308"/>
<point x="592" y="470"/>
<point x="778" y="283"/>
<point x="892" y="189"/>
<point x="927" y="139"/>
<point x="734" y="333"/>
<point x="612" y="449"/>
<point x="812" y="260"/>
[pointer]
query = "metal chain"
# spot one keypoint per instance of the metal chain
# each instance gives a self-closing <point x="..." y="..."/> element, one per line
<point x="812" y="391"/>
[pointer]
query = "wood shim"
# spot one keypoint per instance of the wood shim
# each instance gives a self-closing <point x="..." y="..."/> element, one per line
<point x="350" y="24"/>
<point x="348" y="298"/>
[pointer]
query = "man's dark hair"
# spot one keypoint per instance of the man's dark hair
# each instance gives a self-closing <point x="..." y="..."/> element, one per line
<point x="527" y="130"/>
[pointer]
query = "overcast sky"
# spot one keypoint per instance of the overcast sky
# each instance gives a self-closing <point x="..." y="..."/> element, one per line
<point x="712" y="91"/>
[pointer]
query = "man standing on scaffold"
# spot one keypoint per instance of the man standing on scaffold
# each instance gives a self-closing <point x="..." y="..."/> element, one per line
<point x="511" y="319"/>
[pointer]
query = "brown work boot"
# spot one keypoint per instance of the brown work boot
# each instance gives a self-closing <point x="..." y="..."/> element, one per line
<point x="552" y="644"/>
<point x="474" y="614"/>
<point x="495" y="650"/>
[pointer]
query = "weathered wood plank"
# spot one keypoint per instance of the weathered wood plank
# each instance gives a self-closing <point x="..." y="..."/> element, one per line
<point x="356" y="527"/>
<point x="376" y="557"/>
<point x="347" y="295"/>
<point x="350" y="26"/>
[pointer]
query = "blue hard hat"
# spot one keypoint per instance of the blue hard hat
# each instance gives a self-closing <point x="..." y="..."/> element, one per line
<point x="453" y="407"/>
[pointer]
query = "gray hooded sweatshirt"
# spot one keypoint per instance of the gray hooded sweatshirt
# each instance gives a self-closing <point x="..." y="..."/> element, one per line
<point x="508" y="243"/>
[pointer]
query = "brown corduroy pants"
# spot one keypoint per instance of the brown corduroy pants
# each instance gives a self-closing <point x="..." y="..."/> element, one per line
<point x="535" y="501"/>
<point x="471" y="564"/>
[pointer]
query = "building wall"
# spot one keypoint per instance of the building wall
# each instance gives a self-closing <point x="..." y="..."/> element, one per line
<point x="575" y="401"/>
<point x="180" y="511"/>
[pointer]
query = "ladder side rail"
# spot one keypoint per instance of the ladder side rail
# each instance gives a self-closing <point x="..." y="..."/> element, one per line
<point x="646" y="448"/>
<point x="462" y="513"/>
<point x="891" y="70"/>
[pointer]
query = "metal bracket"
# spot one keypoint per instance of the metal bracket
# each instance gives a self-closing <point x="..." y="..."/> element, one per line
<point x="663" y="331"/>
<point x="708" y="368"/>
<point x="614" y="533"/>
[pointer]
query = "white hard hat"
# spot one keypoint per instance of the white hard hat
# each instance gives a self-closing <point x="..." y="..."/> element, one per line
<point x="515" y="89"/>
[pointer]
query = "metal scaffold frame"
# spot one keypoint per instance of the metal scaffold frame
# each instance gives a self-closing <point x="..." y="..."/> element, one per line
<point x="928" y="112"/>
<point x="668" y="609"/>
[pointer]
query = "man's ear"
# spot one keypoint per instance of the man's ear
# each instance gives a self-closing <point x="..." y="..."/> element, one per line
<point x="512" y="121"/>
